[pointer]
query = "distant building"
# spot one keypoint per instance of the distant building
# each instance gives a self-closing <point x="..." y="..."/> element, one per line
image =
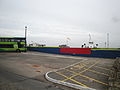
<point x="90" y="45"/>
<point x="37" y="45"/>
<point x="64" y="46"/>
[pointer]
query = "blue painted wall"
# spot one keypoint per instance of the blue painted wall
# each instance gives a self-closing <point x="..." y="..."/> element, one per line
<point x="94" y="53"/>
<point x="45" y="50"/>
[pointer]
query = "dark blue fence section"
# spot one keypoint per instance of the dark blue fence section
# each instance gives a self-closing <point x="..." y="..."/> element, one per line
<point x="94" y="53"/>
<point x="105" y="53"/>
<point x="45" y="50"/>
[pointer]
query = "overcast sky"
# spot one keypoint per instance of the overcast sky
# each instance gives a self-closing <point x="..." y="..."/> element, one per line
<point x="51" y="22"/>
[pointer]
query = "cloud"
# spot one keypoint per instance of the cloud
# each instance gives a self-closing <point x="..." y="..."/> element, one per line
<point x="53" y="20"/>
<point x="115" y="19"/>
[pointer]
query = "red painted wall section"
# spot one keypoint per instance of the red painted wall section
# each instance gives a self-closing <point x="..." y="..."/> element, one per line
<point x="76" y="50"/>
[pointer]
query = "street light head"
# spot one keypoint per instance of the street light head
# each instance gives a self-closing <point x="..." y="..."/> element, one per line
<point x="25" y="26"/>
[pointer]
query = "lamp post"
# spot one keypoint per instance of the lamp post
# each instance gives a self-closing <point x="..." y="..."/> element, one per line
<point x="107" y="40"/>
<point x="25" y="36"/>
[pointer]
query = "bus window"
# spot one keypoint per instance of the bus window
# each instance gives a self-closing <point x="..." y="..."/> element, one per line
<point x="6" y="40"/>
<point x="2" y="40"/>
<point x="12" y="40"/>
<point x="18" y="40"/>
<point x="20" y="45"/>
<point x="22" y="40"/>
<point x="6" y="46"/>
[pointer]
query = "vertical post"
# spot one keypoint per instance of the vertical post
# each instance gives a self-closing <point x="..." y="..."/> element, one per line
<point x="25" y="36"/>
<point x="107" y="40"/>
<point x="89" y="46"/>
<point x="89" y="37"/>
<point x="66" y="42"/>
<point x="105" y="44"/>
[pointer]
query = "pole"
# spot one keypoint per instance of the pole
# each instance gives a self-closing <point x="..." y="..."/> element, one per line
<point x="105" y="44"/>
<point x="89" y="37"/>
<point x="25" y="31"/>
<point x="66" y="42"/>
<point x="25" y="36"/>
<point x="89" y="40"/>
<point x="107" y="40"/>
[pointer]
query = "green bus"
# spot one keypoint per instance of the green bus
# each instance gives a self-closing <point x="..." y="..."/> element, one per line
<point x="17" y="44"/>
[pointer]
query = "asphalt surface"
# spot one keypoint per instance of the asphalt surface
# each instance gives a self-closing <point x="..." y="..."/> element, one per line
<point x="25" y="71"/>
<point x="90" y="73"/>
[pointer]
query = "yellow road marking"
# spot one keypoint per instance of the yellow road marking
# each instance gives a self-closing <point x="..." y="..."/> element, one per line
<point x="98" y="72"/>
<point x="81" y="65"/>
<point x="94" y="71"/>
<point x="72" y="79"/>
<point x="82" y="71"/>
<point x="88" y="77"/>
<point x="76" y="67"/>
<point x="103" y="68"/>
<point x="90" y="67"/>
<point x="93" y="79"/>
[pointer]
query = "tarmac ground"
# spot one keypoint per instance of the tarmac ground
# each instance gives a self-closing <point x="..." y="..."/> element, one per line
<point x="91" y="73"/>
<point x="26" y="71"/>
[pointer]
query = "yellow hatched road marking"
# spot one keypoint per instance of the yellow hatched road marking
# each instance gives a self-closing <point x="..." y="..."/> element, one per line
<point x="72" y="79"/>
<point x="76" y="67"/>
<point x="90" y="67"/>
<point x="103" y="68"/>
<point x="88" y="77"/>
<point x="82" y="71"/>
<point x="98" y="72"/>
<point x="81" y="65"/>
